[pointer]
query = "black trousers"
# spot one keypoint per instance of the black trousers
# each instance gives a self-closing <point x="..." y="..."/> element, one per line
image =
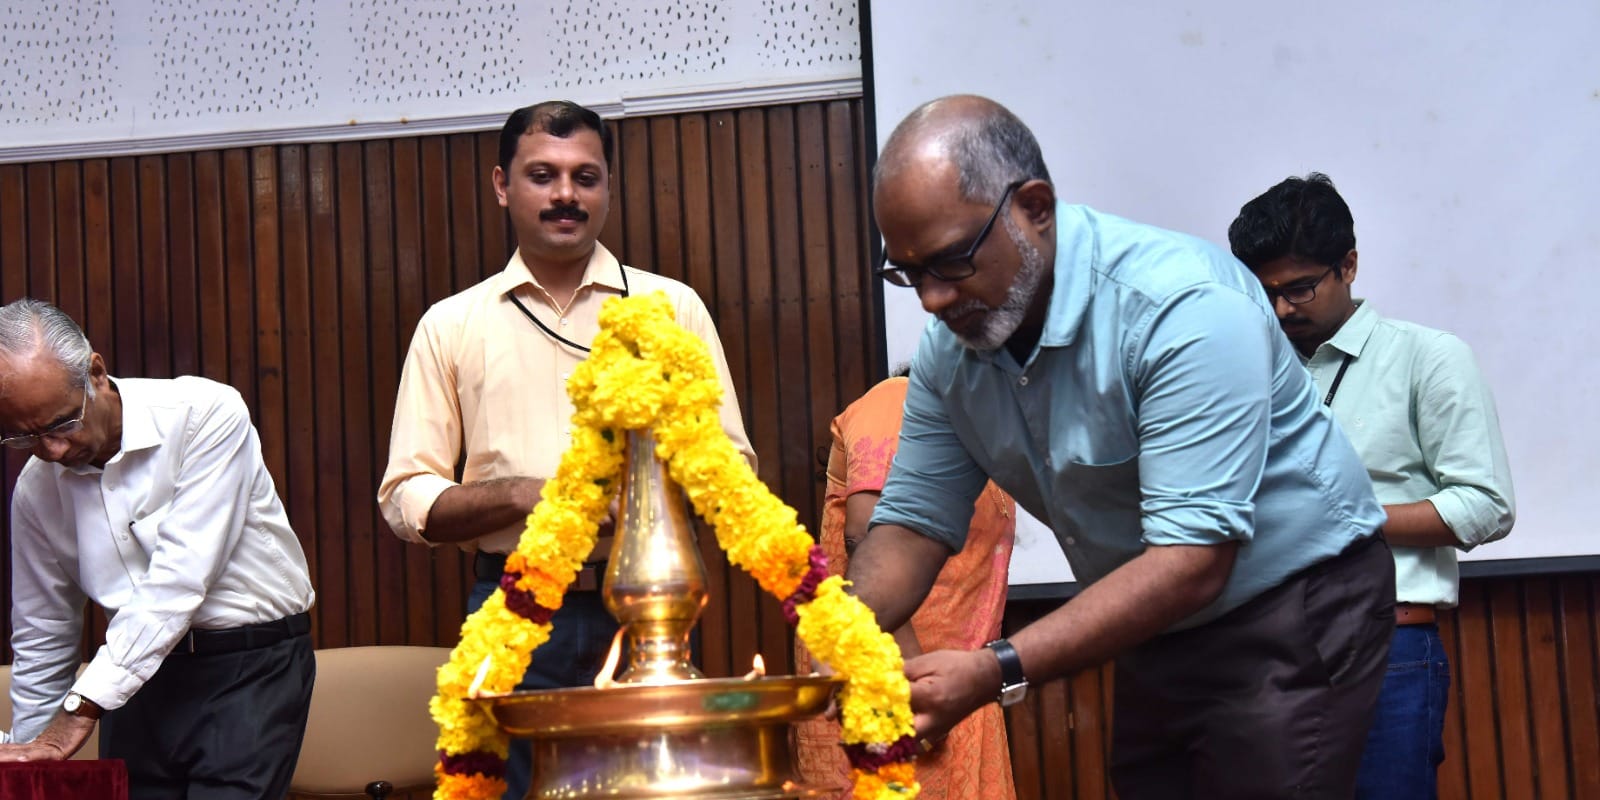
<point x="1271" y="700"/>
<point x="216" y="726"/>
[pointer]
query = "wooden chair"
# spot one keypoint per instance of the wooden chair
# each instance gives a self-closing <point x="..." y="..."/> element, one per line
<point x="369" y="733"/>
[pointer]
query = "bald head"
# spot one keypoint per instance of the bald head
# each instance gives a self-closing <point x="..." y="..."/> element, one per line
<point x="986" y="144"/>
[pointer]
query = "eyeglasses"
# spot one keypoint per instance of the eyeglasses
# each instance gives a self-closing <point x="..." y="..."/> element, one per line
<point x="28" y="441"/>
<point x="1299" y="293"/>
<point x="950" y="268"/>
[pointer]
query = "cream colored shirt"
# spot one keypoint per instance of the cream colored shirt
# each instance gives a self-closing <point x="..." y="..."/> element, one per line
<point x="481" y="380"/>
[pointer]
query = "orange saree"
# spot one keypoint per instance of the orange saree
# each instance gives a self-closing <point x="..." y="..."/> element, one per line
<point x="962" y="612"/>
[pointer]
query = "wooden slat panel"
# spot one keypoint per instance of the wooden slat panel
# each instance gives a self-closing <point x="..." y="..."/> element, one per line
<point x="354" y="253"/>
<point x="332" y="550"/>
<point x="268" y="307"/>
<point x="666" y="192"/>
<point x="1578" y="629"/>
<point x="212" y="266"/>
<point x="384" y="361"/>
<point x="68" y="222"/>
<point x="635" y="200"/>
<point x="126" y="351"/>
<point x="40" y="190"/>
<point x="299" y="492"/>
<point x="182" y="265"/>
<point x="155" y="321"/>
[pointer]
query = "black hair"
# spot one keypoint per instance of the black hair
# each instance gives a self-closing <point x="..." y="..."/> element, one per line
<point x="1302" y="218"/>
<point x="559" y="118"/>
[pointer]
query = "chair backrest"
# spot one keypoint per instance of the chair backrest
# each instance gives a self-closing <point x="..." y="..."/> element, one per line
<point x="90" y="749"/>
<point x="369" y="720"/>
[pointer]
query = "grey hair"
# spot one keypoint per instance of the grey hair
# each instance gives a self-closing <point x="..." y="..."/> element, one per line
<point x="28" y="326"/>
<point x="990" y="150"/>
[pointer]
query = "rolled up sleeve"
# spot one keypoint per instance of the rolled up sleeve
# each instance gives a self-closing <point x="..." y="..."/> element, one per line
<point x="425" y="442"/>
<point x="1459" y="434"/>
<point x="933" y="480"/>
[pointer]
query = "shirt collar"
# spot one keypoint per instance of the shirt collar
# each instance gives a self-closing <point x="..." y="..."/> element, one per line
<point x="1077" y="257"/>
<point x="603" y="269"/>
<point x="1352" y="336"/>
<point x="139" y="431"/>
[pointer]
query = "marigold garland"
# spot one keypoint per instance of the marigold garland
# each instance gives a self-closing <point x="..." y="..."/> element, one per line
<point x="646" y="371"/>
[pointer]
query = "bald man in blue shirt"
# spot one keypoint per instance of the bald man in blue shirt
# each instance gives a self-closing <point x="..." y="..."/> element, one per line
<point x="1130" y="387"/>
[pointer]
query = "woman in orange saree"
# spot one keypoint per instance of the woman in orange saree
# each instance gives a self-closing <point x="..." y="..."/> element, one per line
<point x="962" y="612"/>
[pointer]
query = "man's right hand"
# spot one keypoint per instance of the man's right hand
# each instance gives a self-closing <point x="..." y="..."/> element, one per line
<point x="63" y="737"/>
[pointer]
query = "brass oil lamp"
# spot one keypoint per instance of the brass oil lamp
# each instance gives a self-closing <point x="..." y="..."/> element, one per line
<point x="662" y="729"/>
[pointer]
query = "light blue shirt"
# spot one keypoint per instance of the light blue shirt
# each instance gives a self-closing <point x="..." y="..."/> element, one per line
<point x="1162" y="405"/>
<point x="1423" y="421"/>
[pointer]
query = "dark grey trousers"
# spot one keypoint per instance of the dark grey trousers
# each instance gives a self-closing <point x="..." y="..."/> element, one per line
<point x="1272" y="700"/>
<point x="217" y="726"/>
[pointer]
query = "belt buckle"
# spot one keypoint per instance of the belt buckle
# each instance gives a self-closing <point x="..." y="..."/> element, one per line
<point x="188" y="641"/>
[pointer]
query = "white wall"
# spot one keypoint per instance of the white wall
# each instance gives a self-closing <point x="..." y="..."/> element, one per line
<point x="1464" y="135"/>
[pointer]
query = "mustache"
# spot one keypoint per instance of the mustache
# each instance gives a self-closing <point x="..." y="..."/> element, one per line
<point x="564" y="212"/>
<point x="961" y="309"/>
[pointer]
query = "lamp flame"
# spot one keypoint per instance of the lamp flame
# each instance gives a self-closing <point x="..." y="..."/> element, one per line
<point x="758" y="668"/>
<point x="604" y="679"/>
<point x="483" y="674"/>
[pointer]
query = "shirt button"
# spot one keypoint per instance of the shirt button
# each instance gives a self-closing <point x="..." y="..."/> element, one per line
<point x="563" y="322"/>
<point x="1023" y="381"/>
<point x="1071" y="541"/>
<point x="566" y="376"/>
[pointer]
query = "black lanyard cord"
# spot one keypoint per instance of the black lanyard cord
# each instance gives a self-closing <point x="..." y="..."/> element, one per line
<point x="511" y="295"/>
<point x="1337" y="378"/>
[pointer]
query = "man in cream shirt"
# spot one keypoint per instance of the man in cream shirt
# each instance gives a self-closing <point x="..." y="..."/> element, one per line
<point x="484" y="384"/>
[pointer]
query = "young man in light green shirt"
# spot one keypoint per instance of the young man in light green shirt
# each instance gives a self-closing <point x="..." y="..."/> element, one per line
<point x="1412" y="401"/>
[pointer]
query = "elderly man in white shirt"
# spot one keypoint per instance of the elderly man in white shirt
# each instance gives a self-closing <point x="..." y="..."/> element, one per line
<point x="150" y="498"/>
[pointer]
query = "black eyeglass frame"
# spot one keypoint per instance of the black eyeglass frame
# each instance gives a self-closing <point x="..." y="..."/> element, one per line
<point x="949" y="269"/>
<point x="1309" y="289"/>
<point x="28" y="441"/>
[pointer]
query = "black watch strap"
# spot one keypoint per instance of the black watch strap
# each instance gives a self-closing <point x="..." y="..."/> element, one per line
<point x="1010" y="665"/>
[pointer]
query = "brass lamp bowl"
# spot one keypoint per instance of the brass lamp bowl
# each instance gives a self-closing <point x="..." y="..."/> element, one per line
<point x="715" y="739"/>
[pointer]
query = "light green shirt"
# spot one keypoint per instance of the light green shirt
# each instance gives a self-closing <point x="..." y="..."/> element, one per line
<point x="1420" y="415"/>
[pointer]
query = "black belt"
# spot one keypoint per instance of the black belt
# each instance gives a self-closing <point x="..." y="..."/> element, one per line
<point x="249" y="637"/>
<point x="490" y="566"/>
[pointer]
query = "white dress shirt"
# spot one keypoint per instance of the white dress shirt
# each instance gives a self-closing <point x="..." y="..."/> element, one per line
<point x="182" y="528"/>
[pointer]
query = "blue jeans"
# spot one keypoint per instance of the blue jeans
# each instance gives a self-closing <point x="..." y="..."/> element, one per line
<point x="577" y="649"/>
<point x="1406" y="743"/>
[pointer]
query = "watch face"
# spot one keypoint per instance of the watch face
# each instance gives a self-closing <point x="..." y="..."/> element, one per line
<point x="72" y="703"/>
<point x="1012" y="695"/>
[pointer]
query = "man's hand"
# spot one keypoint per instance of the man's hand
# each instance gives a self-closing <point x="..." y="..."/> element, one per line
<point x="64" y="736"/>
<point x="948" y="685"/>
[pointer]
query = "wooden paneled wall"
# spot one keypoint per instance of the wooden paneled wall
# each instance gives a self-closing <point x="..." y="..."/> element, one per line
<point x="1523" y="721"/>
<point x="297" y="273"/>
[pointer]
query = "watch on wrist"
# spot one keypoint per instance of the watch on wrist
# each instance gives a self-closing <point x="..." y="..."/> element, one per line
<point x="79" y="706"/>
<point x="1013" y="684"/>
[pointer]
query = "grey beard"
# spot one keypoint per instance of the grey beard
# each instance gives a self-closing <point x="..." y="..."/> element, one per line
<point x="1000" y="323"/>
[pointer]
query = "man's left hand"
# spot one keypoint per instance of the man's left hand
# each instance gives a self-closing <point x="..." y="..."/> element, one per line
<point x="947" y="685"/>
<point x="62" y="738"/>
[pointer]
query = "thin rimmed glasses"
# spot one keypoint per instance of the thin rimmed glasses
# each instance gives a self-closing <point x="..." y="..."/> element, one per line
<point x="28" y="441"/>
<point x="1299" y="293"/>
<point x="950" y="268"/>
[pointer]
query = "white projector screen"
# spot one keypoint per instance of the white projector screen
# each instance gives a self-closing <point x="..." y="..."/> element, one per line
<point x="1464" y="135"/>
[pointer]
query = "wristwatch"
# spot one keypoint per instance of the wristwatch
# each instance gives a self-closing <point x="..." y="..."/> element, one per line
<point x="1013" y="684"/>
<point x="79" y="706"/>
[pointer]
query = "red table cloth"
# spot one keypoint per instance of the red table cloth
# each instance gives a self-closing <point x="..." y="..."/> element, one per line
<point x="64" y="780"/>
